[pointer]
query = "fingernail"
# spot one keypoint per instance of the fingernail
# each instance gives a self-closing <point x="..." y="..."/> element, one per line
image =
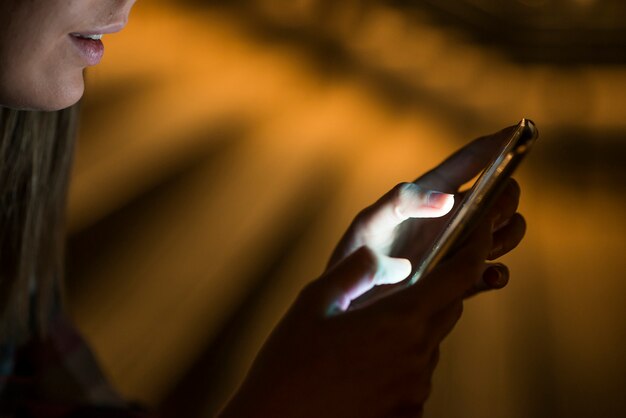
<point x="495" y="277"/>
<point x="438" y="200"/>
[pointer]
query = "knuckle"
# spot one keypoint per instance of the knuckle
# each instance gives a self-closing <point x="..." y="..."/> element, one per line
<point x="402" y="189"/>
<point x="400" y="194"/>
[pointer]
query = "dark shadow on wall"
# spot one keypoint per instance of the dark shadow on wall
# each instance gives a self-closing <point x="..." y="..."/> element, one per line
<point x="209" y="381"/>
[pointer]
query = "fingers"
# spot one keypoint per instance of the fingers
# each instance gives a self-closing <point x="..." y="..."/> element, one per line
<point x="391" y="270"/>
<point x="506" y="204"/>
<point x="375" y="225"/>
<point x="406" y="200"/>
<point x="496" y="276"/>
<point x="508" y="227"/>
<point x="345" y="281"/>
<point x="354" y="276"/>
<point x="452" y="279"/>
<point x="508" y="236"/>
<point x="465" y="164"/>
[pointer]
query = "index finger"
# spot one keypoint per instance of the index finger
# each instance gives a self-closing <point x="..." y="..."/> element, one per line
<point x="465" y="164"/>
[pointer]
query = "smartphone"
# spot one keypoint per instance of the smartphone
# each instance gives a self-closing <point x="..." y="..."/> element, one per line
<point x="479" y="198"/>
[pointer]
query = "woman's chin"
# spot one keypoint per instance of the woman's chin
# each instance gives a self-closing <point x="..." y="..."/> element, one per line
<point x="63" y="98"/>
<point x="48" y="99"/>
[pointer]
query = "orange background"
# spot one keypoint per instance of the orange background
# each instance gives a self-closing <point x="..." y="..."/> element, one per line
<point x="226" y="146"/>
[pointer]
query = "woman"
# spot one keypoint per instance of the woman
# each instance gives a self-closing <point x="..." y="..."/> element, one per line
<point x="322" y="359"/>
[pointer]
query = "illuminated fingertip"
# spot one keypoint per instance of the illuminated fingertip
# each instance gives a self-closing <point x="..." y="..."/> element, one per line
<point x="431" y="205"/>
<point x="393" y="270"/>
<point x="441" y="202"/>
<point x="447" y="207"/>
<point x="436" y="200"/>
<point x="400" y="215"/>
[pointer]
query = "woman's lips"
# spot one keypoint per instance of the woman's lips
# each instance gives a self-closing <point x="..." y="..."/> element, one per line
<point x="91" y="50"/>
<point x="89" y="42"/>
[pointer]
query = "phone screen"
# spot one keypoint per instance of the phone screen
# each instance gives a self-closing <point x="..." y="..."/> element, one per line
<point x="476" y="202"/>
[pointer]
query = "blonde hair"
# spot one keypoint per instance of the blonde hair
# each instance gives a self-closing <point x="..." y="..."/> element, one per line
<point x="36" y="152"/>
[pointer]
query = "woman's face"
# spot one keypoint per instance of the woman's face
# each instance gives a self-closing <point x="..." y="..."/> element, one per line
<point x="45" y="46"/>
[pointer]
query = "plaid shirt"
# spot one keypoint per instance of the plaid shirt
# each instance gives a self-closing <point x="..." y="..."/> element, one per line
<point x="58" y="377"/>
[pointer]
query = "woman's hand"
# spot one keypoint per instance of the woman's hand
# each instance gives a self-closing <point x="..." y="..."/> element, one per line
<point x="395" y="226"/>
<point x="376" y="361"/>
<point x="324" y="360"/>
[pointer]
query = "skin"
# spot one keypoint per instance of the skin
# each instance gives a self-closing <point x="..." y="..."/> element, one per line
<point x="40" y="67"/>
<point x="326" y="357"/>
<point x="378" y="360"/>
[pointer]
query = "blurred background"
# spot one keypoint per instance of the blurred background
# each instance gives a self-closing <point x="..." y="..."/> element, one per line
<point x="226" y="145"/>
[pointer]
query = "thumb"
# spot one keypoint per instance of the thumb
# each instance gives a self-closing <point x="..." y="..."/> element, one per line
<point x="409" y="200"/>
<point x="406" y="200"/>
<point x="355" y="275"/>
